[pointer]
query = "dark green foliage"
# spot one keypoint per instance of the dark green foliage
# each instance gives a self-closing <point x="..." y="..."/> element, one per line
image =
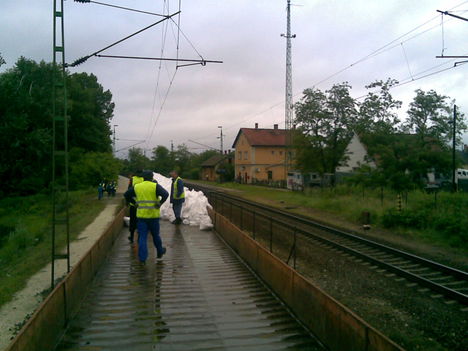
<point x="26" y="123"/>
<point x="444" y="217"/>
<point x="91" y="168"/>
<point x="90" y="109"/>
<point x="26" y="248"/>
<point x="430" y="117"/>
<point x="163" y="161"/>
<point x="325" y="123"/>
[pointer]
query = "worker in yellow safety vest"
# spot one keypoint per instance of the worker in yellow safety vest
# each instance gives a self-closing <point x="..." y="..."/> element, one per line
<point x="177" y="196"/>
<point x="148" y="197"/>
<point x="134" y="180"/>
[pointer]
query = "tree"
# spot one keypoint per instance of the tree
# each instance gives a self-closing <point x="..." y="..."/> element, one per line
<point x="183" y="160"/>
<point x="2" y="61"/>
<point x="137" y="160"/>
<point x="91" y="168"/>
<point x="430" y="117"/>
<point x="90" y="109"/>
<point x="377" y="113"/>
<point x="163" y="161"/>
<point x="26" y="123"/>
<point x="324" y="127"/>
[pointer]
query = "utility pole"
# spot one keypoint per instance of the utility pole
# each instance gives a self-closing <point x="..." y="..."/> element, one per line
<point x="454" y="141"/>
<point x="60" y="155"/>
<point x="288" y="118"/>
<point x="221" y="135"/>
<point x="113" y="138"/>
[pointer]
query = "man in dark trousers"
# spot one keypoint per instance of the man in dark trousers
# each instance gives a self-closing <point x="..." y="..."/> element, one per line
<point x="177" y="196"/>
<point x="148" y="196"/>
<point x="134" y="180"/>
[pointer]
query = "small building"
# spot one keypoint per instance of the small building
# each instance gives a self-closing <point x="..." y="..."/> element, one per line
<point x="212" y="169"/>
<point x="355" y="156"/>
<point x="260" y="155"/>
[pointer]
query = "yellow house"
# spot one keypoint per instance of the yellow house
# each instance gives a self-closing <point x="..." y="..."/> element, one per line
<point x="260" y="155"/>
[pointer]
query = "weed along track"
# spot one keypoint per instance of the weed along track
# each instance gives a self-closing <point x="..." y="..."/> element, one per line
<point x="276" y="228"/>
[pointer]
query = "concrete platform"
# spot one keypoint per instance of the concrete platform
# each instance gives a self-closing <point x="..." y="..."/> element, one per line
<point x="198" y="297"/>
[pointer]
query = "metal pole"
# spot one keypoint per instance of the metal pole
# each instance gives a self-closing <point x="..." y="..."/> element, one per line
<point x="294" y="257"/>
<point x="241" y="218"/>
<point x="113" y="138"/>
<point x="253" y="225"/>
<point x="454" y="141"/>
<point x="271" y="235"/>
<point x="221" y="138"/>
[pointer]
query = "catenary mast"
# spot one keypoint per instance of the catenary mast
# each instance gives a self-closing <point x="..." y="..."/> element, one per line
<point x="288" y="120"/>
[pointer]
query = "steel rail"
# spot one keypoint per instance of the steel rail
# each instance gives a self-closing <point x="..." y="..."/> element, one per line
<point x="448" y="292"/>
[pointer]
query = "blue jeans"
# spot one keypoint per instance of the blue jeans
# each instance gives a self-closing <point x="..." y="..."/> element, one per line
<point x="177" y="208"/>
<point x="144" y="225"/>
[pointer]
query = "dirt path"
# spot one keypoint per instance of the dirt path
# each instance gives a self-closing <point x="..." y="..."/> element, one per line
<point x="25" y="302"/>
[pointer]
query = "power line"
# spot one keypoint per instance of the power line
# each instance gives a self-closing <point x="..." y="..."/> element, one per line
<point x="85" y="58"/>
<point x="197" y="61"/>
<point x="162" y="106"/>
<point x="119" y="7"/>
<point x="390" y="45"/>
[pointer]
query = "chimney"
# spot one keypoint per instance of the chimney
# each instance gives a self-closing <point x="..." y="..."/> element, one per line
<point x="256" y="125"/>
<point x="275" y="126"/>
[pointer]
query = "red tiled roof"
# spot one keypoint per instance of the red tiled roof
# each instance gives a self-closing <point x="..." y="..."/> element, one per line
<point x="263" y="137"/>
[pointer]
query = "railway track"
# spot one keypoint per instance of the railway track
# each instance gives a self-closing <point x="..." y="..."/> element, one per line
<point x="443" y="280"/>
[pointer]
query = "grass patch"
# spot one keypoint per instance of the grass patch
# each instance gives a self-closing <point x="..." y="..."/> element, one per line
<point x="25" y="235"/>
<point x="440" y="219"/>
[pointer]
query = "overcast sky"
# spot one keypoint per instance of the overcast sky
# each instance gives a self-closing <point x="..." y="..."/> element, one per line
<point x="249" y="86"/>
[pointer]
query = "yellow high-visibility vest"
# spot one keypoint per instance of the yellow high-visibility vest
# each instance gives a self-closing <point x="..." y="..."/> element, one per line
<point x="175" y="189"/>
<point x="146" y="200"/>
<point x="136" y="180"/>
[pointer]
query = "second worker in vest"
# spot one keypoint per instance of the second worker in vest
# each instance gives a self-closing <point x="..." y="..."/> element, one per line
<point x="134" y="180"/>
<point x="149" y="196"/>
<point x="177" y="196"/>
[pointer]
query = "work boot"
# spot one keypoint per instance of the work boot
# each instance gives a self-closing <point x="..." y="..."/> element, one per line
<point x="161" y="254"/>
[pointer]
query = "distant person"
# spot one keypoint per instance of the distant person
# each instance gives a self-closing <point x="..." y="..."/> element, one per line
<point x="109" y="189"/>
<point x="148" y="196"/>
<point x="100" y="190"/>
<point x="177" y="196"/>
<point x="113" y="188"/>
<point x="134" y="180"/>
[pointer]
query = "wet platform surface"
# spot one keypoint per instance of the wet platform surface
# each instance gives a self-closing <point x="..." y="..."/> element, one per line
<point x="198" y="297"/>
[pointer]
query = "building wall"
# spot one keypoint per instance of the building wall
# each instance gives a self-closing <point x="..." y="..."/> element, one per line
<point x="356" y="153"/>
<point x="255" y="162"/>
<point x="208" y="173"/>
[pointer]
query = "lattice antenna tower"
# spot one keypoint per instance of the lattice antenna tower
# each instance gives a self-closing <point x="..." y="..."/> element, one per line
<point x="288" y="118"/>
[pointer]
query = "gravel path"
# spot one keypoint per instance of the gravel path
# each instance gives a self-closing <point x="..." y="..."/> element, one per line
<point x="26" y="301"/>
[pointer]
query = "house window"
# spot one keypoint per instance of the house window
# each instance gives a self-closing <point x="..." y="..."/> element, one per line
<point x="240" y="155"/>
<point x="272" y="152"/>
<point x="246" y="155"/>
<point x="281" y="153"/>
<point x="270" y="175"/>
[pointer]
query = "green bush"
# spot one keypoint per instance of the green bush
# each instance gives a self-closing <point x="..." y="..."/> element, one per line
<point x="89" y="169"/>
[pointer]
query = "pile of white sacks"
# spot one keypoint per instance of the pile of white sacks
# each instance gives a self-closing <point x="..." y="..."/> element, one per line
<point x="194" y="211"/>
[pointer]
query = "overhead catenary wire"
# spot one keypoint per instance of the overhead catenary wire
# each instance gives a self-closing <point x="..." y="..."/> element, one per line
<point x="120" y="7"/>
<point x="407" y="62"/>
<point x="390" y="45"/>
<point x="85" y="58"/>
<point x="156" y="90"/>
